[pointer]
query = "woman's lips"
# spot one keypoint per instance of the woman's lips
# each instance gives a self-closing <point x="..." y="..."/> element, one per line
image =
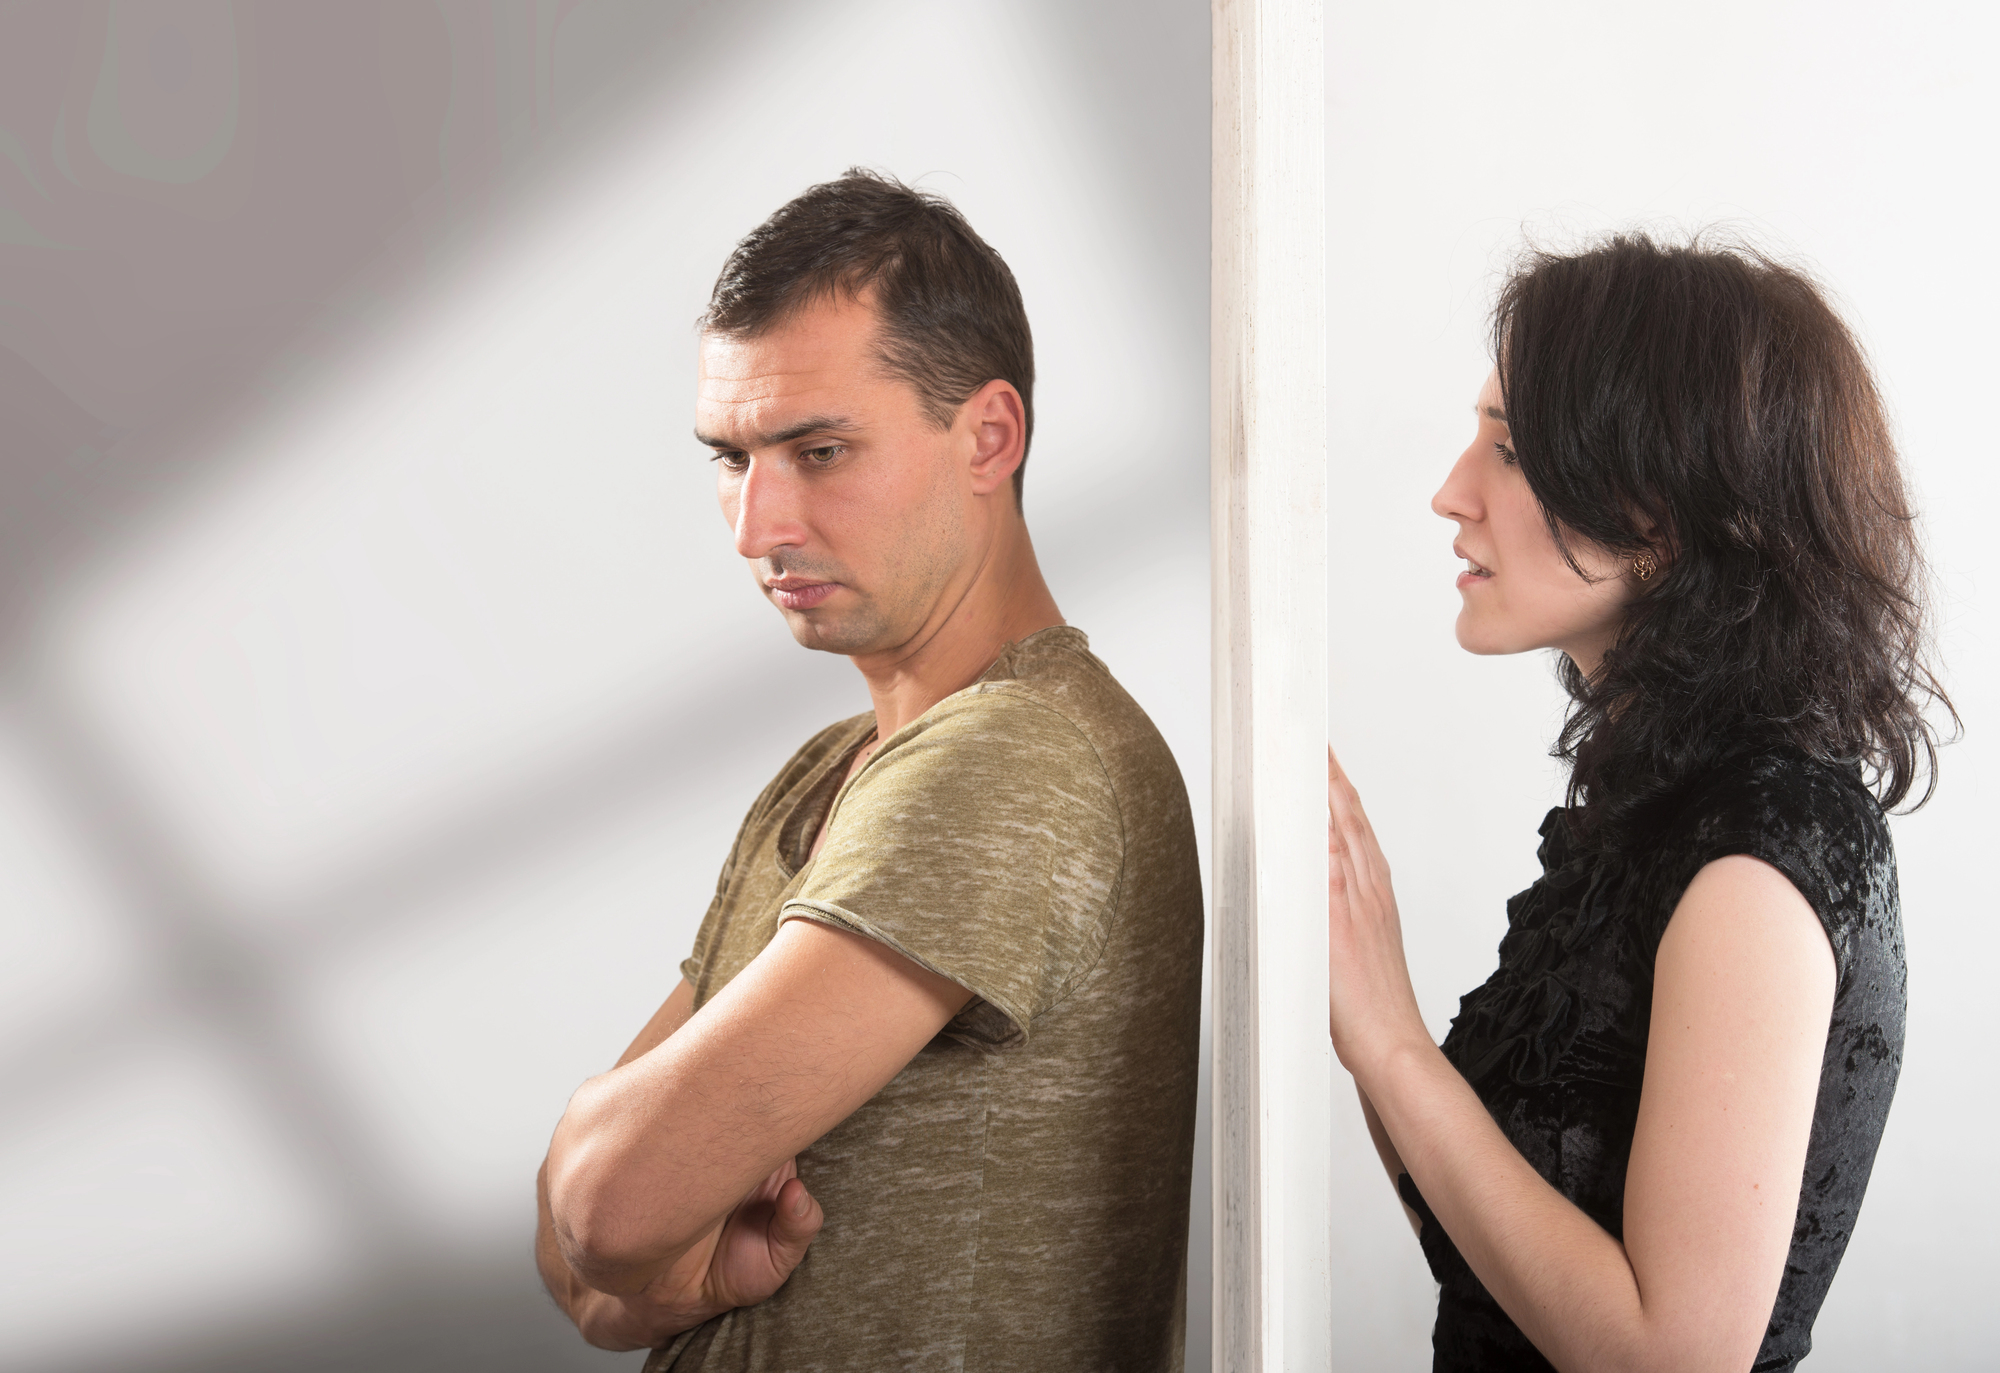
<point x="800" y="595"/>
<point x="1473" y="574"/>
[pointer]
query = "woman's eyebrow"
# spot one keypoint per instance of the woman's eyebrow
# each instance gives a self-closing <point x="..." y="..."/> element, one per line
<point x="1492" y="412"/>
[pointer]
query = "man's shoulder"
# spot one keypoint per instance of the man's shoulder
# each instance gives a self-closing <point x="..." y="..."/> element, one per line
<point x="1055" y="673"/>
<point x="1047" y="725"/>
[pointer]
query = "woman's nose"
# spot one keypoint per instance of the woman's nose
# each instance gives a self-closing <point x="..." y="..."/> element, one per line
<point x="1458" y="499"/>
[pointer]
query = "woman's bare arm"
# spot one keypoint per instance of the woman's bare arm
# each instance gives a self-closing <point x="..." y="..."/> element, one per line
<point x="1385" y="1149"/>
<point x="1742" y="997"/>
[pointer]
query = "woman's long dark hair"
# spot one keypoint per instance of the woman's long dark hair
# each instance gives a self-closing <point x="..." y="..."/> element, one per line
<point x="1712" y="396"/>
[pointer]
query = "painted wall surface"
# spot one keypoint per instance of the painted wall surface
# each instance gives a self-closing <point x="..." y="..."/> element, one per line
<point x="1857" y="138"/>
<point x="378" y="691"/>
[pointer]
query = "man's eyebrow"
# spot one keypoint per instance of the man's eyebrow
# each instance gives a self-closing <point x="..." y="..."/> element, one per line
<point x="811" y="424"/>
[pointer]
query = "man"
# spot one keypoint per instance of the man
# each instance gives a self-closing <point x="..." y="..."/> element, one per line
<point x="947" y="990"/>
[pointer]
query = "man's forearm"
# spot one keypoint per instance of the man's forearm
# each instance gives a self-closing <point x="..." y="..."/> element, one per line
<point x="644" y="1302"/>
<point x="559" y="1275"/>
<point x="648" y="1157"/>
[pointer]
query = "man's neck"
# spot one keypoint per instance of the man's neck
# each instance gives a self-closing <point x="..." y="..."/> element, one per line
<point x="1006" y="601"/>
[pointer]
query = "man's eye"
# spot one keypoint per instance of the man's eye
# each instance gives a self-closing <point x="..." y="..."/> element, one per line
<point x="735" y="462"/>
<point x="820" y="457"/>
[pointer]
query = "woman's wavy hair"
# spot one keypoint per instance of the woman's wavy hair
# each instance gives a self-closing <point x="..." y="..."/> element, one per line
<point x="1711" y="396"/>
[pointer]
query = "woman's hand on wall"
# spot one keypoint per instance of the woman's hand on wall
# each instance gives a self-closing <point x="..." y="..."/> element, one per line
<point x="1371" y="1006"/>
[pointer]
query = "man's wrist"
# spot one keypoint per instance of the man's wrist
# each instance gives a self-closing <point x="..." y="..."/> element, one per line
<point x="626" y="1323"/>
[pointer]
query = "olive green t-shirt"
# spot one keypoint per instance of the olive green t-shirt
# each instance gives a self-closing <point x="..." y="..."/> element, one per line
<point x="1017" y="1197"/>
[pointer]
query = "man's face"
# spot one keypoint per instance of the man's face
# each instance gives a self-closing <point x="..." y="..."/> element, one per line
<point x="851" y="506"/>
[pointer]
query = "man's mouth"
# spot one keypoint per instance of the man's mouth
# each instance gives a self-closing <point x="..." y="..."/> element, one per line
<point x="800" y="595"/>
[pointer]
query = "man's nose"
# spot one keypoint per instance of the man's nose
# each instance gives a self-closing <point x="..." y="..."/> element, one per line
<point x="769" y="510"/>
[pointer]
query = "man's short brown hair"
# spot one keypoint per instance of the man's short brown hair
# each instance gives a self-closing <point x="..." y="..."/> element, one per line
<point x="950" y="311"/>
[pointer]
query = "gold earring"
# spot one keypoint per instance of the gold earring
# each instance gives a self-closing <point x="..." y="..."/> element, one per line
<point x="1645" y="565"/>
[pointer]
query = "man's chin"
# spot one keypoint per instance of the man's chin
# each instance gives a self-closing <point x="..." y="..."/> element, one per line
<point x="829" y="633"/>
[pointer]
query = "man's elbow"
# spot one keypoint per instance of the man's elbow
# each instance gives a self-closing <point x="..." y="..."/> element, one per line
<point x="607" y="1219"/>
<point x="593" y="1244"/>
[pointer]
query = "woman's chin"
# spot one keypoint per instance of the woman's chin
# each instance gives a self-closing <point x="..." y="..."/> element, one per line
<point x="1474" y="637"/>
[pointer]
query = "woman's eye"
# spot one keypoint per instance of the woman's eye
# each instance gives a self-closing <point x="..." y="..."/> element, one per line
<point x="1506" y="454"/>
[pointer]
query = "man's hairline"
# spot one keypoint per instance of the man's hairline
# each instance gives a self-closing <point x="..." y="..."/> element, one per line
<point x="863" y="295"/>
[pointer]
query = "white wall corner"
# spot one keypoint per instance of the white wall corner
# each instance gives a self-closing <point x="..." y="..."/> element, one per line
<point x="1272" y="1057"/>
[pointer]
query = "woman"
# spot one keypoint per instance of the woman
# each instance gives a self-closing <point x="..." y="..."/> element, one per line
<point x="1644" y="1142"/>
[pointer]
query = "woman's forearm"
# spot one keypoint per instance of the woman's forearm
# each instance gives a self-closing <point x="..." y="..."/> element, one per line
<point x="1385" y="1149"/>
<point x="1562" y="1278"/>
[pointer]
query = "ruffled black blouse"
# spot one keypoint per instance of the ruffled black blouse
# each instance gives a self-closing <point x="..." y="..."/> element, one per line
<point x="1554" y="1043"/>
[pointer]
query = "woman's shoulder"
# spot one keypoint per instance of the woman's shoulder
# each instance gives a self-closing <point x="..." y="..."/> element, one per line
<point x="1785" y="797"/>
<point x="1813" y="819"/>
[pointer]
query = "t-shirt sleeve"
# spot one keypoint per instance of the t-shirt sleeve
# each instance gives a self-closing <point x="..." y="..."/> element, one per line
<point x="798" y="765"/>
<point x="704" y="937"/>
<point x="986" y="847"/>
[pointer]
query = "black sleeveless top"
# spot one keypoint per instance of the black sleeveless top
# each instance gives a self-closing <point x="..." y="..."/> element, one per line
<point x="1554" y="1043"/>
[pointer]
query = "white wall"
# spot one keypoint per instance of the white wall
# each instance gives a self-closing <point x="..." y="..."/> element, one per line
<point x="1858" y="137"/>
<point x="380" y="692"/>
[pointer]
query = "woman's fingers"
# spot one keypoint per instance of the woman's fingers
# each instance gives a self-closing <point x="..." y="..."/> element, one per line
<point x="1349" y="829"/>
<point x="1348" y="837"/>
<point x="1334" y="843"/>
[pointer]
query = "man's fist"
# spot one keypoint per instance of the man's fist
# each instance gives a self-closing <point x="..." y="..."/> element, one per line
<point x="741" y="1262"/>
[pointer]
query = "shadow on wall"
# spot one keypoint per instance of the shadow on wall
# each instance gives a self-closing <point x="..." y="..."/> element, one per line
<point x="184" y="188"/>
<point x="204" y="207"/>
<point x="455" y="1311"/>
<point x="225" y="975"/>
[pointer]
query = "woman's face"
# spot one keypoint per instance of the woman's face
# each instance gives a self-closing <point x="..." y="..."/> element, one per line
<point x="1518" y="592"/>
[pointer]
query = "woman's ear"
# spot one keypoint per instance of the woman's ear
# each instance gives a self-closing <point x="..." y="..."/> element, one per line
<point x="1659" y="538"/>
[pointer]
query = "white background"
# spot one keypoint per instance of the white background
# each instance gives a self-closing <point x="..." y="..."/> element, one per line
<point x="1857" y="138"/>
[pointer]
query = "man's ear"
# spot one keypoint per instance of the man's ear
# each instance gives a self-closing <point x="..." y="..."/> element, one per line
<point x="999" y="424"/>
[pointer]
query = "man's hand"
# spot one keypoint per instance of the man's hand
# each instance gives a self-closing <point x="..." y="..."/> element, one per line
<point x="651" y="1158"/>
<point x="742" y="1261"/>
